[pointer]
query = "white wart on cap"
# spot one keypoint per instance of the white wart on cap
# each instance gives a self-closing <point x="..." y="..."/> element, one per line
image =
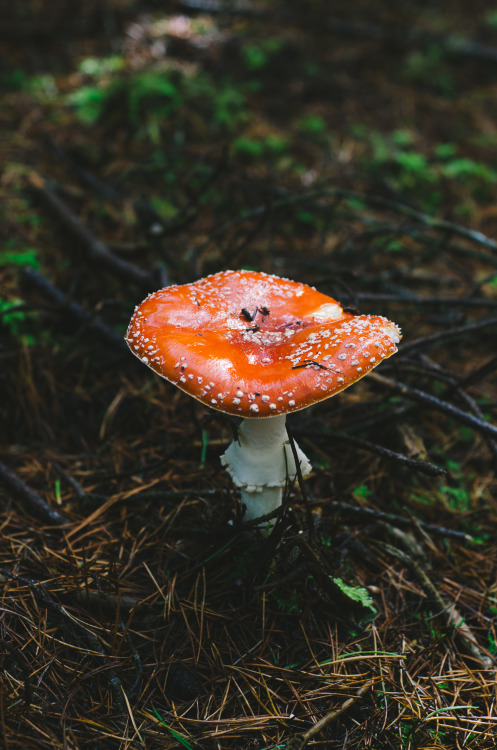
<point x="256" y="345"/>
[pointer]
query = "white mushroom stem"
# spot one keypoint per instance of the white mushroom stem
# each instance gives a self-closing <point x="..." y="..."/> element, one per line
<point x="260" y="462"/>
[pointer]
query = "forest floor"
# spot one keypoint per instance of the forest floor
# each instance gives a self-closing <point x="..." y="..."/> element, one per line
<point x="349" y="146"/>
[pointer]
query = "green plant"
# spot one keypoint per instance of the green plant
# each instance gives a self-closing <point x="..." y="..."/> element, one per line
<point x="287" y="601"/>
<point x="148" y="98"/>
<point x="467" y="170"/>
<point x="140" y="91"/>
<point x="152" y="88"/>
<point x="312" y="125"/>
<point x="88" y="102"/>
<point x="492" y="644"/>
<point x="406" y="168"/>
<point x="276" y="144"/>
<point x="178" y="737"/>
<point x="362" y="492"/>
<point x="228" y="102"/>
<point x="491" y="18"/>
<point x="272" y="146"/>
<point x="254" y="57"/>
<point x="356" y="594"/>
<point x="457" y="498"/>
<point x="13" y="80"/>
<point x="429" y="67"/>
<point x="15" y="255"/>
<point x="249" y="146"/>
<point x="43" y="86"/>
<point x="12" y="315"/>
<point x="98" y="66"/>
<point x="257" y="56"/>
<point x="306" y="217"/>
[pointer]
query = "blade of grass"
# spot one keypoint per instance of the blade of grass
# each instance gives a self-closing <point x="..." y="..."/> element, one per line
<point x="176" y="736"/>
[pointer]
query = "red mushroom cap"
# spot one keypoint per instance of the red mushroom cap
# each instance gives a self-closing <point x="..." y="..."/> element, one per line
<point x="256" y="345"/>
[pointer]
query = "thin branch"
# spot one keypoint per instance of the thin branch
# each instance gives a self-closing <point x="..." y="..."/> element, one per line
<point x="410" y="299"/>
<point x="480" y="372"/>
<point x="431" y="221"/>
<point x="30" y="497"/>
<point x="455" y="387"/>
<point x="239" y="7"/>
<point x="322" y="191"/>
<point x="90" y="598"/>
<point x="41" y="593"/>
<point x="379" y="515"/>
<point x="435" y="403"/>
<point x="299" y="742"/>
<point x="75" y="310"/>
<point x="424" y="466"/>
<point x="450" y="44"/>
<point x="96" y="250"/>
<point x="450" y="333"/>
<point x="462" y="632"/>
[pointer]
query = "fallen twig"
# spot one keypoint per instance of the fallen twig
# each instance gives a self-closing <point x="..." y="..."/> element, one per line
<point x="462" y="632"/>
<point x="480" y="372"/>
<point x="443" y="406"/>
<point x="96" y="250"/>
<point x="75" y="310"/>
<point x="450" y="44"/>
<point x="423" y="466"/>
<point x="22" y="663"/>
<point x="41" y="593"/>
<point x="431" y="221"/>
<point x="29" y="496"/>
<point x="450" y="333"/>
<point x="424" y="301"/>
<point x="455" y="386"/>
<point x="394" y="518"/>
<point x="297" y="743"/>
<point x="85" y="596"/>
<point x="285" y="199"/>
<point x="239" y="7"/>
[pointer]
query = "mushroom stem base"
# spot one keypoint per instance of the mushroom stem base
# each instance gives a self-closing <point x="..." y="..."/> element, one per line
<point x="261" y="462"/>
<point x="258" y="504"/>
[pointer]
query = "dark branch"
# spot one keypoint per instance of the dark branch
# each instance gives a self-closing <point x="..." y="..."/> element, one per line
<point x="30" y="497"/>
<point x="443" y="406"/>
<point x="450" y="333"/>
<point x="96" y="250"/>
<point x="78" y="313"/>
<point x="424" y="466"/>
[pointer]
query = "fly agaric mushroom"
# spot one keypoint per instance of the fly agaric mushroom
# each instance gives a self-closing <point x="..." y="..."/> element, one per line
<point x="259" y="347"/>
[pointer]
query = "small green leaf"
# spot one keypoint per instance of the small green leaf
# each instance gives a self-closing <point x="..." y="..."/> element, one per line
<point x="403" y="137"/>
<point x="362" y="492"/>
<point x="13" y="256"/>
<point x="98" y="66"/>
<point x="306" y="217"/>
<point x="445" y="150"/>
<point x="10" y="316"/>
<point x="249" y="146"/>
<point x="312" y="124"/>
<point x="276" y="143"/>
<point x="254" y="57"/>
<point x="356" y="594"/>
